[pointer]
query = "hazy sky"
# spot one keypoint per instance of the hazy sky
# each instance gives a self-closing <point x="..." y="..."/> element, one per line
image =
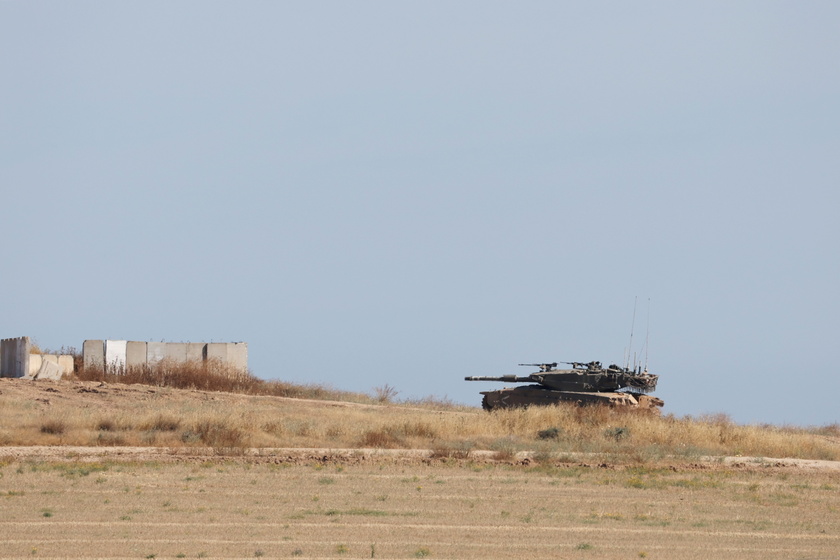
<point x="408" y="193"/>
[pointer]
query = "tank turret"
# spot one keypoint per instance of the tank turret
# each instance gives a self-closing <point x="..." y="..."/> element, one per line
<point x="583" y="383"/>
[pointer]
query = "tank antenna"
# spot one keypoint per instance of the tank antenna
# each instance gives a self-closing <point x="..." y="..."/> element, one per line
<point x="647" y="336"/>
<point x="632" y="326"/>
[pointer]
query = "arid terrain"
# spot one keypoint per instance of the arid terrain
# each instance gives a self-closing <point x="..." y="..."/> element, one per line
<point x="90" y="470"/>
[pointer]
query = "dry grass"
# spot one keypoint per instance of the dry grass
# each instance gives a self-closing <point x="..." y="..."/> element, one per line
<point x="217" y="376"/>
<point x="69" y="413"/>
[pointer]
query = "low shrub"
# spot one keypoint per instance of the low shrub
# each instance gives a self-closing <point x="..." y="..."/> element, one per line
<point x="54" y="426"/>
<point x="453" y="450"/>
<point x="223" y="437"/>
<point x="380" y="439"/>
<point x="163" y="423"/>
<point x="106" y="425"/>
<point x="617" y="433"/>
<point x="549" y="433"/>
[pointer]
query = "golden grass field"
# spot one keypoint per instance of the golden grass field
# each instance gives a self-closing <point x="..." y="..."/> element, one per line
<point x="93" y="470"/>
<point x="96" y="414"/>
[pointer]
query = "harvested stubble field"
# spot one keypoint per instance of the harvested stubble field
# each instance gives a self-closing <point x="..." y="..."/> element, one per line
<point x="225" y="475"/>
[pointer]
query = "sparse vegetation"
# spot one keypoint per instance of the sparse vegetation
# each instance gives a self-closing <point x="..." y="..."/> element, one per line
<point x="217" y="376"/>
<point x="230" y="423"/>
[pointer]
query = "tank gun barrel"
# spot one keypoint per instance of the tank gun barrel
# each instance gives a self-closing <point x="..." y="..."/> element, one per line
<point x="502" y="378"/>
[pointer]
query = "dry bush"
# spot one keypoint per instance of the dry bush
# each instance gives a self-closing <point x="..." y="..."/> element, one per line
<point x="418" y="429"/>
<point x="220" y="434"/>
<point x="53" y="426"/>
<point x="214" y="375"/>
<point x="504" y="449"/>
<point x="210" y="375"/>
<point x="109" y="439"/>
<point x="162" y="423"/>
<point x="380" y="439"/>
<point x="452" y="450"/>
<point x="274" y="428"/>
<point x="106" y="425"/>
<point x="385" y="394"/>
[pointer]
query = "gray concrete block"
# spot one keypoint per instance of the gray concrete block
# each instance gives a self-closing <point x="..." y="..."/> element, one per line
<point x="14" y="357"/>
<point x="217" y="351"/>
<point x="238" y="355"/>
<point x="35" y="361"/>
<point x="135" y="353"/>
<point x="195" y="351"/>
<point x="65" y="361"/>
<point x="93" y="354"/>
<point x="49" y="370"/>
<point x="176" y="352"/>
<point x="155" y="352"/>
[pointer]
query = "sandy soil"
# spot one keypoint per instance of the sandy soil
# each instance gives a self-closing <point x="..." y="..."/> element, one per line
<point x="465" y="510"/>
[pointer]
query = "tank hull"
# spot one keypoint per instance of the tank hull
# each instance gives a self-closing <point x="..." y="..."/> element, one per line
<point x="536" y="395"/>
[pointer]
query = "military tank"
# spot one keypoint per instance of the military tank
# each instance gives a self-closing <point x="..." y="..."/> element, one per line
<point x="584" y="383"/>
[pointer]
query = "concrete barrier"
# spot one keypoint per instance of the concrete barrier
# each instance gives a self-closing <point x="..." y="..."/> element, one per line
<point x="217" y="351"/>
<point x="195" y="351"/>
<point x="238" y="355"/>
<point x="120" y="353"/>
<point x="35" y="361"/>
<point x="232" y="353"/>
<point x="93" y="354"/>
<point x="66" y="363"/>
<point x="49" y="370"/>
<point x="61" y="365"/>
<point x="14" y="356"/>
<point x="176" y="351"/>
<point x="155" y="352"/>
<point x="135" y="354"/>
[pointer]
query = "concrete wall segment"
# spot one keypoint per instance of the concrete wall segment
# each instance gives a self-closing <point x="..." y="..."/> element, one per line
<point x="155" y="352"/>
<point x="217" y="351"/>
<point x="14" y="356"/>
<point x="49" y="370"/>
<point x="238" y="355"/>
<point x="35" y="361"/>
<point x="195" y="351"/>
<point x="93" y="354"/>
<point x="135" y="353"/>
<point x="176" y="351"/>
<point x="97" y="353"/>
<point x="66" y="363"/>
<point x="115" y="354"/>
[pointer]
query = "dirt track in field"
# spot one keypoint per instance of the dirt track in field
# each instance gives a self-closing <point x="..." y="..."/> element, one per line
<point x="362" y="456"/>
